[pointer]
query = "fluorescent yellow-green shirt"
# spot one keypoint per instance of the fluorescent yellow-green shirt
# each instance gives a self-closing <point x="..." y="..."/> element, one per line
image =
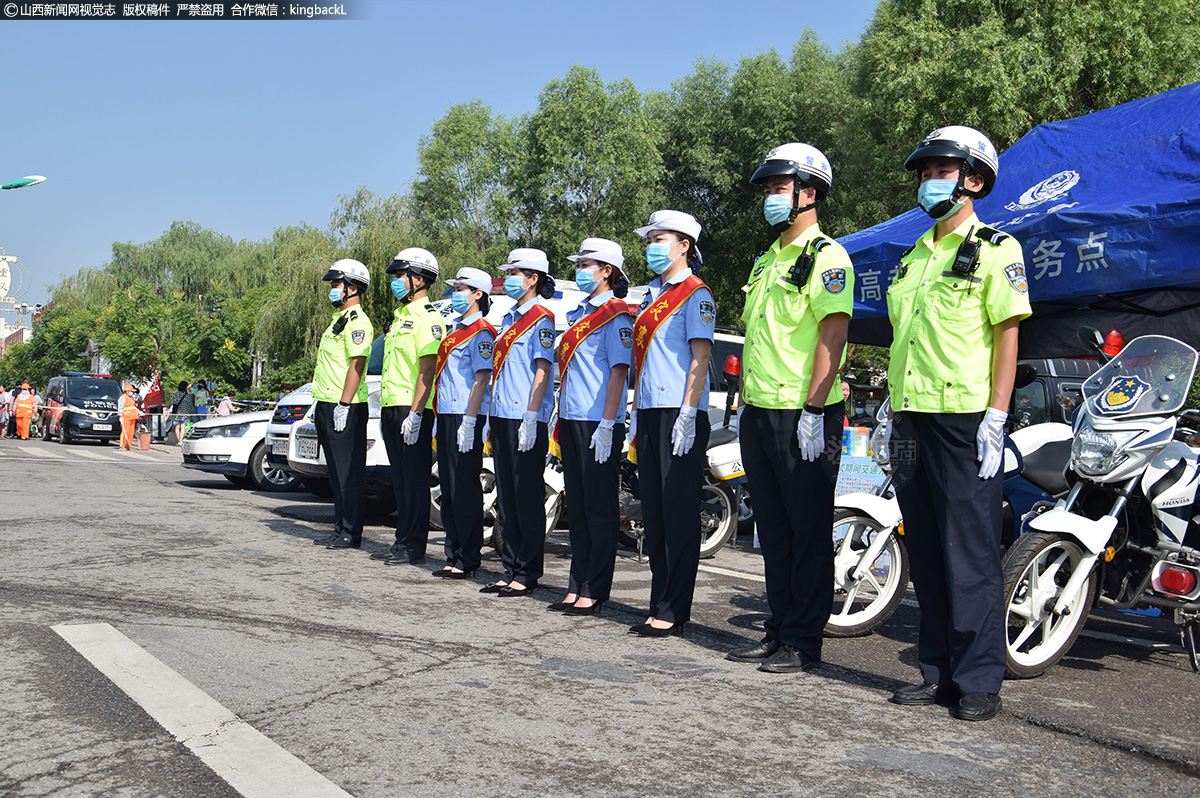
<point x="942" y="321"/>
<point x="416" y="332"/>
<point x="335" y="353"/>
<point x="783" y="321"/>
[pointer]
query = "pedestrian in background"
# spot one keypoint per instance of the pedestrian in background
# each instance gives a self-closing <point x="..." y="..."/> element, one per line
<point x="672" y="343"/>
<point x="183" y="405"/>
<point x="593" y="365"/>
<point x="127" y="410"/>
<point x="200" y="397"/>
<point x="23" y="406"/>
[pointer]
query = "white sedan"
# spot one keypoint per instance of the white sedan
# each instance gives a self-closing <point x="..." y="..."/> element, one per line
<point x="235" y="447"/>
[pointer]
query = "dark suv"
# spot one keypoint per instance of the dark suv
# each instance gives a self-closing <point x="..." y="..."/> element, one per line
<point x="81" y="406"/>
<point x="1053" y="394"/>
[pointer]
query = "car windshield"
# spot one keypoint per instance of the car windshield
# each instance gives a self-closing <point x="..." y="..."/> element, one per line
<point x="93" y="389"/>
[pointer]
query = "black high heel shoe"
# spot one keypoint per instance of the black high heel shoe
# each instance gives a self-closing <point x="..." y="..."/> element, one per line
<point x="460" y="574"/>
<point x="442" y="573"/>
<point x="494" y="587"/>
<point x="560" y="606"/>
<point x="575" y="609"/>
<point x="653" y="631"/>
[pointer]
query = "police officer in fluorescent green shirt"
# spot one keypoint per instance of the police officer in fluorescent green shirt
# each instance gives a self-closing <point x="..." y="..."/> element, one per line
<point x="799" y="298"/>
<point x="954" y="304"/>
<point x="406" y="418"/>
<point x="340" y="391"/>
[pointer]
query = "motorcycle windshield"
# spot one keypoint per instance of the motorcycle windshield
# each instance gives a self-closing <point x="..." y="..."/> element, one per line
<point x="1150" y="377"/>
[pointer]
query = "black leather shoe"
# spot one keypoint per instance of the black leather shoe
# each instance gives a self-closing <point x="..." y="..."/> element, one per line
<point x="508" y="591"/>
<point x="442" y="573"/>
<point x="637" y="628"/>
<point x="344" y="542"/>
<point x="575" y="609"/>
<point x="559" y="606"/>
<point x="403" y="559"/>
<point x="976" y="706"/>
<point x="494" y="587"/>
<point x="647" y="630"/>
<point x="458" y="574"/>
<point x="788" y="660"/>
<point x="915" y="695"/>
<point x="755" y="653"/>
<point x="385" y="554"/>
<point x="325" y="540"/>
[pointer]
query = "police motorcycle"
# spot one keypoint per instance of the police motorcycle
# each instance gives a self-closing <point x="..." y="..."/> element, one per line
<point x="723" y="498"/>
<point x="1127" y="536"/>
<point x="870" y="560"/>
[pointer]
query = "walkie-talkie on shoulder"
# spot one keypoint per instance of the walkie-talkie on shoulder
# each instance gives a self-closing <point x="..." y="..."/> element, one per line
<point x="966" y="260"/>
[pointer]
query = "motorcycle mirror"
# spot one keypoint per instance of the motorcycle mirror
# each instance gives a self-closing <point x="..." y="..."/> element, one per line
<point x="1026" y="374"/>
<point x="1091" y="338"/>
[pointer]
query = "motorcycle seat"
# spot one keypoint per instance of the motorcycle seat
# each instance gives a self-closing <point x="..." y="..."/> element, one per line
<point x="1044" y="467"/>
<point x="720" y="436"/>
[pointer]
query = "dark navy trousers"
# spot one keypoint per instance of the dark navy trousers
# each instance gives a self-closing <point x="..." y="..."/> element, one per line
<point x="520" y="500"/>
<point x="410" y="479"/>
<point x="593" y="511"/>
<point x="346" y="458"/>
<point x="462" y="493"/>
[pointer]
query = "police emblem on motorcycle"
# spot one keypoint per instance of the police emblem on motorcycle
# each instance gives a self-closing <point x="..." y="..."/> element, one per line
<point x="485" y="349"/>
<point x="358" y="336"/>
<point x="546" y="338"/>
<point x="436" y="329"/>
<point x="1122" y="394"/>
<point x="708" y="311"/>
<point x="626" y="334"/>
<point x="1015" y="272"/>
<point x="834" y="280"/>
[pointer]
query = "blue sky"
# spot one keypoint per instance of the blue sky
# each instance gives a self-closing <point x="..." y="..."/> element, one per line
<point x="245" y="127"/>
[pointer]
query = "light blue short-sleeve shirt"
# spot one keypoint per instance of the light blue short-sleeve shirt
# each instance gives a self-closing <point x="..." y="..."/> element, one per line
<point x="669" y="357"/>
<point x="582" y="393"/>
<point x="458" y="375"/>
<point x="512" y="389"/>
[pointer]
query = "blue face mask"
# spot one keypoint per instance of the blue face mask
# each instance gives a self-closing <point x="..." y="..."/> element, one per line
<point x="460" y="301"/>
<point x="399" y="287"/>
<point x="935" y="197"/>
<point x="777" y="208"/>
<point x="336" y="297"/>
<point x="658" y="257"/>
<point x="586" y="280"/>
<point x="514" y="286"/>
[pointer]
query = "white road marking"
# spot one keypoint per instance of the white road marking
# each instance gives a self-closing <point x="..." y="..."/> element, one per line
<point x="93" y="455"/>
<point x="39" y="452"/>
<point x="138" y="456"/>
<point x="726" y="572"/>
<point x="241" y="755"/>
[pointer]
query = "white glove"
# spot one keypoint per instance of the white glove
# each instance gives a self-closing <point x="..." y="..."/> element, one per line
<point x="632" y="426"/>
<point x="527" y="434"/>
<point x="880" y="439"/>
<point x="466" y="434"/>
<point x="411" y="428"/>
<point x="340" y="413"/>
<point x="683" y="434"/>
<point x="989" y="442"/>
<point x="810" y="434"/>
<point x="602" y="439"/>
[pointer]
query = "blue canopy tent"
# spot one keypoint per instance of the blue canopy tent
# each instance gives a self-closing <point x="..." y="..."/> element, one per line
<point x="1107" y="209"/>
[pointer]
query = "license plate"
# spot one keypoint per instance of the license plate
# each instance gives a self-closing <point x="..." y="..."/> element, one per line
<point x="187" y="447"/>
<point x="279" y="447"/>
<point x="307" y="447"/>
<point x="102" y="427"/>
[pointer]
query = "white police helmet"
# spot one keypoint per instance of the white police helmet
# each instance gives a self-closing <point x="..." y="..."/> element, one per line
<point x="960" y="141"/>
<point x="416" y="260"/>
<point x="804" y="161"/>
<point x="350" y="271"/>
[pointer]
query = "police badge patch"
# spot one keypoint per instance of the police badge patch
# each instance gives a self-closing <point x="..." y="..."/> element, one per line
<point x="1122" y="394"/>
<point x="485" y="349"/>
<point x="436" y="329"/>
<point x="546" y="338"/>
<point x="358" y="336"/>
<point x="834" y="280"/>
<point x="1015" y="272"/>
<point x="708" y="311"/>
<point x="626" y="334"/>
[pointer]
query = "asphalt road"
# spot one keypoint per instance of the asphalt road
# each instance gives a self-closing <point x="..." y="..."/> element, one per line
<point x="390" y="683"/>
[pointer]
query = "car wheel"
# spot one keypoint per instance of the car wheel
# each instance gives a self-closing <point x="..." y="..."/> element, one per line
<point x="45" y="429"/>
<point x="64" y="433"/>
<point x="264" y="476"/>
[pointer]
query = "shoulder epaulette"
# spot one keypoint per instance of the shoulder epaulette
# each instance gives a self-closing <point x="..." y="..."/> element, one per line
<point x="820" y="242"/>
<point x="428" y="306"/>
<point x="907" y="252"/>
<point x="353" y="315"/>
<point x="992" y="236"/>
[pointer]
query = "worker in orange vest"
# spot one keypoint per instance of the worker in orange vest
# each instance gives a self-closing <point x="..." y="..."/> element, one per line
<point x="23" y="406"/>
<point x="128" y="410"/>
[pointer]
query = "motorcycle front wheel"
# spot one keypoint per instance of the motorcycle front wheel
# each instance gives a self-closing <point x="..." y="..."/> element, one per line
<point x="1036" y="570"/>
<point x="718" y="519"/>
<point x="859" y="607"/>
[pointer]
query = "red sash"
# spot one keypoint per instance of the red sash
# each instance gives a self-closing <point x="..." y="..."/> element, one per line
<point x="453" y="341"/>
<point x="519" y="327"/>
<point x="647" y="324"/>
<point x="571" y="340"/>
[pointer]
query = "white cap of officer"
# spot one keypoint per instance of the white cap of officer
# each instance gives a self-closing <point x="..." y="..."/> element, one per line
<point x="960" y="141"/>
<point x="602" y="250"/>
<point x="534" y="260"/>
<point x="470" y="277"/>
<point x="675" y="221"/>
<point x="349" y="270"/>
<point x="419" y="261"/>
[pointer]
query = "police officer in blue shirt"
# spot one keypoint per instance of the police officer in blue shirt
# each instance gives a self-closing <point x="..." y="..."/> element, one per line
<point x="672" y="341"/>
<point x="522" y="402"/>
<point x="464" y="373"/>
<point x="593" y="357"/>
